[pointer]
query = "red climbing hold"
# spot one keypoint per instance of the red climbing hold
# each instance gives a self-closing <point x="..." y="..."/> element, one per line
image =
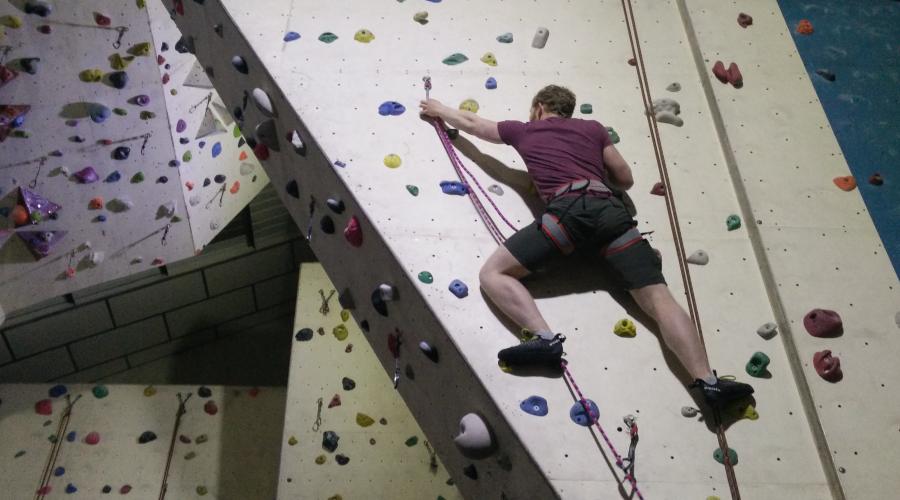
<point x="253" y="392"/>
<point x="823" y="323"/>
<point x="242" y="156"/>
<point x="125" y="489"/>
<point x="210" y="408"/>
<point x="92" y="438"/>
<point x="353" y="232"/>
<point x="720" y="72"/>
<point x="632" y="62"/>
<point x="846" y="183"/>
<point x="43" y="407"/>
<point x="102" y="20"/>
<point x="804" y="27"/>
<point x="659" y="189"/>
<point x="735" y="77"/>
<point x="165" y="78"/>
<point x="179" y="7"/>
<point x="189" y="185"/>
<point x="744" y="20"/>
<point x="876" y="179"/>
<point x="261" y="151"/>
<point x="335" y="401"/>
<point x="235" y="187"/>
<point x="160" y="60"/>
<point x="44" y="490"/>
<point x="827" y="366"/>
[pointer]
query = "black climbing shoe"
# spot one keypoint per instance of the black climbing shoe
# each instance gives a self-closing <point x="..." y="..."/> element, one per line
<point x="537" y="351"/>
<point x="723" y="392"/>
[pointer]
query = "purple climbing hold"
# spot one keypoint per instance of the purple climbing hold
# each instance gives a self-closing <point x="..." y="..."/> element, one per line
<point x="341" y="459"/>
<point x="201" y="144"/>
<point x="57" y="391"/>
<point x="219" y="178"/>
<point x="454" y="187"/>
<point x="391" y="108"/>
<point x="216" y="149"/>
<point x="115" y="176"/>
<point x="823" y="323"/>
<point x="87" y="175"/>
<point x="491" y="83"/>
<point x="174" y="163"/>
<point x="290" y="36"/>
<point x="180" y="126"/>
<point x="141" y="100"/>
<point x="535" y="405"/>
<point x="578" y="414"/>
<point x="121" y="153"/>
<point x="459" y="288"/>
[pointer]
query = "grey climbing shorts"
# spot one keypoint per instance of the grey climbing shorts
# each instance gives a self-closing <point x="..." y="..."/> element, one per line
<point x="597" y="226"/>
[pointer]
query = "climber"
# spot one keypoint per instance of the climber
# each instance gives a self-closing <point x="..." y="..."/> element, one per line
<point x="580" y="175"/>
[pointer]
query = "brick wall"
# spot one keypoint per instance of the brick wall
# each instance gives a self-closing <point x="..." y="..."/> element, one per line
<point x="120" y="325"/>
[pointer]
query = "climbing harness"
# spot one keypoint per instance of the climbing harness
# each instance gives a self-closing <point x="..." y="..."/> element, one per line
<point x="178" y="414"/>
<point x="61" y="429"/>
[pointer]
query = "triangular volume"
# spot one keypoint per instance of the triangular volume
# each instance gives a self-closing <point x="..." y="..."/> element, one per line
<point x="211" y="125"/>
<point x="198" y="78"/>
<point x="37" y="208"/>
<point x="7" y="74"/>
<point x="220" y="110"/>
<point x="11" y="117"/>
<point x="41" y="243"/>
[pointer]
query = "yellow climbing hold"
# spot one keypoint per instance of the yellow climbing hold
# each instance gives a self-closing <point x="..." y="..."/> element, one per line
<point x="91" y="75"/>
<point x="713" y="497"/>
<point x="504" y="367"/>
<point x="526" y="335"/>
<point x="750" y="413"/>
<point x="336" y="497"/>
<point x="321" y="459"/>
<point x="625" y="328"/>
<point x="141" y="4"/>
<point x="149" y="391"/>
<point x="140" y="49"/>
<point x="392" y="161"/>
<point x="364" y="420"/>
<point x="345" y="315"/>
<point x="292" y="441"/>
<point x="201" y="490"/>
<point x="489" y="59"/>
<point x="13" y="22"/>
<point x="364" y="36"/>
<point x="469" y="105"/>
<point x="340" y="332"/>
<point x="117" y="62"/>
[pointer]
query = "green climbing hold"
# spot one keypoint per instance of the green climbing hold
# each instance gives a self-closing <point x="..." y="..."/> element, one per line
<point x="586" y="109"/>
<point x="137" y="178"/>
<point x="292" y="441"/>
<point x="91" y="75"/>
<point x="52" y="438"/>
<point x="613" y="136"/>
<point x="190" y="455"/>
<point x="202" y="438"/>
<point x="100" y="391"/>
<point x="120" y="111"/>
<point x="186" y="157"/>
<point x="364" y="420"/>
<point x="327" y="37"/>
<point x="201" y="490"/>
<point x="364" y="36"/>
<point x="20" y="453"/>
<point x="469" y="105"/>
<point x="454" y="59"/>
<point x="340" y="332"/>
<point x="236" y="132"/>
<point x="147" y="115"/>
<point x="426" y="277"/>
<point x="141" y="4"/>
<point x="413" y="190"/>
<point x="733" y="222"/>
<point x="321" y="459"/>
<point x="118" y="62"/>
<point x="757" y="365"/>
<point x="720" y="457"/>
<point x="140" y="49"/>
<point x="412" y="441"/>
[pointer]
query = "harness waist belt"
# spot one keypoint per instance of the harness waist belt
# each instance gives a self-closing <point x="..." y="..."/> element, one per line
<point x="588" y="186"/>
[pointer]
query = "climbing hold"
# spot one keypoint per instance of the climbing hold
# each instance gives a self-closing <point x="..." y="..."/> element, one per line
<point x="474" y="435"/>
<point x="586" y="109"/>
<point x="540" y="38"/>
<point x="364" y="36"/>
<point x="411" y="441"/>
<point x="293" y="189"/>
<point x="216" y="149"/>
<point x="204" y="392"/>
<point x="219" y="178"/>
<point x="845" y="183"/>
<point x="149" y="391"/>
<point x="413" y="190"/>
<point x="353" y="232"/>
<point x="345" y="315"/>
<point x="876" y="179"/>
<point x="180" y="126"/>
<point x="735" y="78"/>
<point x="364" y="420"/>
<point x="330" y="441"/>
<point x="613" y="136"/>
<point x="327" y="224"/>
<point x="426" y="277"/>
<point x="147" y="115"/>
<point x="335" y="401"/>
<point x="146" y="437"/>
<point x="674" y="87"/>
<point x="43" y="407"/>
<point x="469" y="105"/>
<point x="632" y="62"/>
<point x="210" y="408"/>
<point x="327" y="37"/>
<point x="184" y="439"/>
<point x="392" y="161"/>
<point x="304" y="335"/>
<point x="823" y="323"/>
<point x="625" y="328"/>
<point x="659" y="189"/>
<point x="429" y="351"/>
<point x="391" y="108"/>
<point x="459" y="289"/>
<point x="167" y="209"/>
<point x="91" y="75"/>
<point x="92" y="438"/>
<point x="489" y="59"/>
<point x="804" y="27"/>
<point x="99" y="113"/>
<point x="100" y="391"/>
<point x="321" y="459"/>
<point x="744" y="20"/>
<point x="454" y="187"/>
<point x="29" y="64"/>
<point x="720" y="457"/>
<point x="201" y="490"/>
<point x="471" y="472"/>
<point x="490" y="83"/>
<point x="455" y="59"/>
<point x="261" y="151"/>
<point x="290" y="36"/>
<point x="826" y="74"/>
<point x="125" y="489"/>
<point x="720" y="72"/>
<point x="758" y="364"/>
<point x="117" y="62"/>
<point x="421" y="17"/>
<point x="496" y="189"/>
<point x="579" y="414"/>
<point x="240" y="64"/>
<point x="118" y="79"/>
<point x="235" y="187"/>
<point x="767" y="331"/>
<point x="87" y="175"/>
<point x="534" y="405"/>
<point x="335" y="204"/>
<point x="57" y="391"/>
<point x="667" y="111"/>
<point x="387" y="292"/>
<point x="42" y="9"/>
<point x="505" y="38"/>
<point x="70" y="488"/>
<point x="699" y="258"/>
<point x="348" y="384"/>
<point x="749" y="412"/>
<point x="202" y="438"/>
<point x="70" y="437"/>
<point x="263" y="102"/>
<point x="121" y="153"/>
<point x="340" y="332"/>
<point x="733" y="222"/>
<point x="689" y="411"/>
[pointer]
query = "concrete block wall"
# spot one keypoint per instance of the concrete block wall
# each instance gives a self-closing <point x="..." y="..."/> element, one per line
<point x="121" y="325"/>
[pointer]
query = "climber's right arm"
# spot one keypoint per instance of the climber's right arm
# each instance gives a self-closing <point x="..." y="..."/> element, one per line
<point x="466" y="121"/>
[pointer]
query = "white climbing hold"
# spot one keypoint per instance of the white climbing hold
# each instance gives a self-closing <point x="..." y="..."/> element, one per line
<point x="247" y="168"/>
<point x="689" y="411"/>
<point x="213" y="225"/>
<point x="767" y="330"/>
<point x="261" y="98"/>
<point x="699" y="257"/>
<point x="674" y="87"/>
<point x="64" y="171"/>
<point x="97" y="257"/>
<point x="387" y="292"/>
<point x="540" y="38"/>
<point x="167" y="209"/>
<point x="474" y="435"/>
<point x="137" y="259"/>
<point x="496" y="189"/>
<point x="194" y="200"/>
<point x="667" y="111"/>
<point x="87" y="245"/>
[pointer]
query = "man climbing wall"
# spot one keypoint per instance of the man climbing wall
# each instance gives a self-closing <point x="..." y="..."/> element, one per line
<point x="576" y="169"/>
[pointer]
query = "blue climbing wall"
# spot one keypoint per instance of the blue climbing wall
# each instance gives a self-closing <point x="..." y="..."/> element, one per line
<point x="860" y="43"/>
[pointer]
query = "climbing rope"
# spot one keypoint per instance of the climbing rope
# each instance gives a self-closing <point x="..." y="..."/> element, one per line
<point x="178" y="414"/>
<point x="638" y="56"/>
<point x="49" y="467"/>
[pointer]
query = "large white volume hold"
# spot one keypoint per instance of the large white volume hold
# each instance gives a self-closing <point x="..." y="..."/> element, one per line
<point x="261" y="98"/>
<point x="474" y="435"/>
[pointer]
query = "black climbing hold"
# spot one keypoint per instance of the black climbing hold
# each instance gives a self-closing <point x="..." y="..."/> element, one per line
<point x="219" y="178"/>
<point x="29" y="64"/>
<point x="293" y="189"/>
<point x="241" y="142"/>
<point x="250" y="142"/>
<point x="240" y="64"/>
<point x="330" y="441"/>
<point x="345" y="299"/>
<point x="341" y="459"/>
<point x="164" y="47"/>
<point x="304" y="335"/>
<point x="41" y="9"/>
<point x="336" y="205"/>
<point x="118" y="79"/>
<point x="185" y="44"/>
<point x="347" y="382"/>
<point x="327" y="225"/>
<point x="429" y="351"/>
<point x="410" y="373"/>
<point x="238" y="113"/>
<point x="219" y="30"/>
<point x="471" y="472"/>
<point x="206" y="182"/>
<point x="826" y="74"/>
<point x="121" y="153"/>
<point x="364" y="324"/>
<point x="184" y="140"/>
<point x="106" y="489"/>
<point x="378" y="303"/>
<point x="146" y="437"/>
<point x="204" y="392"/>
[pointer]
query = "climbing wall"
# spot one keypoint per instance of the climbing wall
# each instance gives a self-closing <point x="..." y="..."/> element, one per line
<point x="116" y="156"/>
<point x="320" y="73"/>
<point x="337" y="385"/>
<point x="117" y="440"/>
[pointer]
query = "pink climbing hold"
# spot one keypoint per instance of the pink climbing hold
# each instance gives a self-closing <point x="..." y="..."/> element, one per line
<point x="735" y="77"/>
<point x="659" y="189"/>
<point x="44" y="490"/>
<point x="92" y="438"/>
<point x="720" y="71"/>
<point x="210" y="408"/>
<point x="335" y="401"/>
<point x="823" y="323"/>
<point x="744" y="20"/>
<point x="43" y="407"/>
<point x="353" y="232"/>
<point x="827" y="366"/>
<point x="125" y="489"/>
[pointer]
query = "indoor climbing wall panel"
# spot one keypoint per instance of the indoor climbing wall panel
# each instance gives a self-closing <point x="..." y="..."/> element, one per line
<point x="117" y="440"/>
<point x="102" y="128"/>
<point x="327" y="77"/>
<point x="337" y="385"/>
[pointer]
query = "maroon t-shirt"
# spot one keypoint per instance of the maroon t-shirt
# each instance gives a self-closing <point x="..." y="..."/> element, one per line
<point x="558" y="151"/>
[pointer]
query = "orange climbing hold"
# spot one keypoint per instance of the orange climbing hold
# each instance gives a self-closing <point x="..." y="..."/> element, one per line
<point x="242" y="156"/>
<point x="96" y="203"/>
<point x="235" y="187"/>
<point x="804" y="27"/>
<point x="846" y="183"/>
<point x="20" y="215"/>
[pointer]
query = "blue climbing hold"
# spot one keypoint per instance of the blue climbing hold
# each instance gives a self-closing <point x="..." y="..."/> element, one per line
<point x="70" y="437"/>
<point x="174" y="163"/>
<point x="99" y="113"/>
<point x="490" y="84"/>
<point x="101" y="218"/>
<point x="113" y="177"/>
<point x="290" y="36"/>
<point x="391" y="108"/>
<point x="59" y="471"/>
<point x="216" y="149"/>
<point x="454" y="187"/>
<point x="580" y="417"/>
<point x="201" y="144"/>
<point x="535" y="405"/>
<point x="71" y="488"/>
<point x="459" y="288"/>
<point x="57" y="391"/>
